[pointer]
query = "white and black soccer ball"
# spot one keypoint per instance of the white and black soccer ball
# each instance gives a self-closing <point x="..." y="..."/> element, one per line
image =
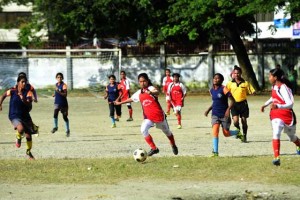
<point x="140" y="155"/>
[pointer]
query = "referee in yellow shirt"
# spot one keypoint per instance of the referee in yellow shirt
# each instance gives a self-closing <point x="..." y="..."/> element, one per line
<point x="239" y="89"/>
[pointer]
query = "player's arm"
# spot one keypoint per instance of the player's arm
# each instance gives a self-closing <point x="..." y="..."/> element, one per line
<point x="183" y="88"/>
<point x="231" y="101"/>
<point x="208" y="110"/>
<point x="123" y="102"/>
<point x="63" y="92"/>
<point x="3" y="96"/>
<point x="270" y="101"/>
<point x="120" y="93"/>
<point x="106" y="93"/>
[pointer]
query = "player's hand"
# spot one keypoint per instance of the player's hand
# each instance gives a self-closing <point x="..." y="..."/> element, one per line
<point x="262" y="109"/>
<point x="35" y="100"/>
<point x="0" y="107"/>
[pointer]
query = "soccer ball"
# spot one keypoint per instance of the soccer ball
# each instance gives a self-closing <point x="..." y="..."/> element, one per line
<point x="140" y="155"/>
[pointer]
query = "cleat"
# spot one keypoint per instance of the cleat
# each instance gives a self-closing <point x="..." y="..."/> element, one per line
<point x="175" y="149"/>
<point x="214" y="154"/>
<point x="168" y="113"/>
<point x="35" y="130"/>
<point x="153" y="151"/>
<point x="276" y="161"/>
<point x="129" y="119"/>
<point x="298" y="150"/>
<point x="29" y="155"/>
<point x="68" y="133"/>
<point x="18" y="142"/>
<point x="54" y="130"/>
<point x="244" y="140"/>
<point x="117" y="119"/>
<point x="113" y="125"/>
<point x="179" y="127"/>
<point x="240" y="136"/>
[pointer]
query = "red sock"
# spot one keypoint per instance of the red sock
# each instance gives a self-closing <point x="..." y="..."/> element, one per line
<point x="130" y="113"/>
<point x="276" y="147"/>
<point x="172" y="140"/>
<point x="179" y="118"/>
<point x="150" y="141"/>
<point x="297" y="142"/>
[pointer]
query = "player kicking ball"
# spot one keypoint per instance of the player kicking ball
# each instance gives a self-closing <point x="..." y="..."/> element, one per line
<point x="152" y="111"/>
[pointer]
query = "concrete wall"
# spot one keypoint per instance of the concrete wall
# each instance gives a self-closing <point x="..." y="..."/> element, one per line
<point x="89" y="71"/>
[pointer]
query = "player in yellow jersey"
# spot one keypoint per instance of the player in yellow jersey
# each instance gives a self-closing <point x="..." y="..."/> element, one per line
<point x="239" y="89"/>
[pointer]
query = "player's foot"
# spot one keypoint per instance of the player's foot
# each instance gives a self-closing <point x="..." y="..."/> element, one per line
<point x="68" y="133"/>
<point x="153" y="151"/>
<point x="117" y="119"/>
<point x="18" y="142"/>
<point x="298" y="150"/>
<point x="54" y="130"/>
<point x="113" y="125"/>
<point x="29" y="155"/>
<point x="179" y="127"/>
<point x="214" y="154"/>
<point x="168" y="113"/>
<point x="240" y="135"/>
<point x="129" y="119"/>
<point x="276" y="161"/>
<point x="244" y="140"/>
<point x="175" y="149"/>
<point x="35" y="130"/>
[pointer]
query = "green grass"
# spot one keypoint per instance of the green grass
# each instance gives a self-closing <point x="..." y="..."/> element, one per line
<point x="113" y="170"/>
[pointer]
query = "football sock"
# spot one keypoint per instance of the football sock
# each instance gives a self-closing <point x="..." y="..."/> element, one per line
<point x="297" y="142"/>
<point x="55" y="120"/>
<point x="150" y="142"/>
<point x="172" y="140"/>
<point x="233" y="132"/>
<point x="276" y="147"/>
<point x="18" y="135"/>
<point x="29" y="144"/>
<point x="113" y="120"/>
<point x="216" y="145"/>
<point x="179" y="118"/>
<point x="67" y="125"/>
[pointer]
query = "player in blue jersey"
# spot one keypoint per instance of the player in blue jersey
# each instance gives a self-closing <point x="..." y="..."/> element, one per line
<point x="60" y="103"/>
<point x="113" y="93"/>
<point x="19" y="108"/>
<point x="220" y="112"/>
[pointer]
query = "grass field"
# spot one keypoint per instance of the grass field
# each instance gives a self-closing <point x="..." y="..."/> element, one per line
<point x="96" y="162"/>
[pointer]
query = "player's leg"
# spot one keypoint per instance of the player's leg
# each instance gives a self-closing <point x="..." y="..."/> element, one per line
<point x="277" y="126"/>
<point x="64" y="112"/>
<point x="118" y="109"/>
<point x="291" y="133"/>
<point x="215" y="122"/>
<point x="112" y="114"/>
<point x="244" y="114"/>
<point x="168" y="105"/>
<point x="146" y="125"/>
<point x="29" y="146"/>
<point x="177" y="110"/>
<point x="55" y="118"/>
<point x="164" y="126"/>
<point x="226" y="122"/>
<point x="130" y="111"/>
<point x="20" y="131"/>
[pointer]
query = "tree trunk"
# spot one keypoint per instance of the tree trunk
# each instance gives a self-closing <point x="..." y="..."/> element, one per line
<point x="241" y="54"/>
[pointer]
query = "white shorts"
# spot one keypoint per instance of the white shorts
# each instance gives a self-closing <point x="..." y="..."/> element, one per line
<point x="177" y="108"/>
<point x="278" y="125"/>
<point x="147" y="124"/>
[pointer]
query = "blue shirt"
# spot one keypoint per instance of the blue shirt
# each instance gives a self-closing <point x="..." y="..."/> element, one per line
<point x="59" y="99"/>
<point x="220" y="100"/>
<point x="112" y="92"/>
<point x="18" y="109"/>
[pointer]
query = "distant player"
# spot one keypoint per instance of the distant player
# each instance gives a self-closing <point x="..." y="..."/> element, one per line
<point x="176" y="93"/>
<point x="61" y="103"/>
<point x="113" y="93"/>
<point x="282" y="115"/>
<point x="239" y="89"/>
<point x="19" y="108"/>
<point x="153" y="113"/>
<point x="220" y="112"/>
<point x="125" y="87"/>
<point x="165" y="84"/>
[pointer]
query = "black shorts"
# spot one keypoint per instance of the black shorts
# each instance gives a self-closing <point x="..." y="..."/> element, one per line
<point x="240" y="109"/>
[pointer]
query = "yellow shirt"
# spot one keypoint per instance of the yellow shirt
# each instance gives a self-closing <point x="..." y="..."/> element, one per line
<point x="240" y="91"/>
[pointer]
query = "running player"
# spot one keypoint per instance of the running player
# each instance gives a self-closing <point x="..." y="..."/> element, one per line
<point x="19" y="108"/>
<point x="125" y="87"/>
<point x="239" y="89"/>
<point x="220" y="112"/>
<point x="60" y="103"/>
<point x="282" y="115"/>
<point x="113" y="93"/>
<point x="153" y="113"/>
<point x="177" y="92"/>
<point x="165" y="84"/>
